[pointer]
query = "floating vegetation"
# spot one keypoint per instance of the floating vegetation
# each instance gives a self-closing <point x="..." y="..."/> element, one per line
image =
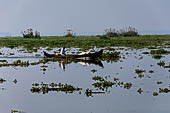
<point x="93" y="70"/>
<point x="98" y="78"/>
<point x="128" y="85"/>
<point x="15" y="81"/>
<point x="16" y="63"/>
<point x="110" y="56"/>
<point x="4" y="61"/>
<point x="161" y="63"/>
<point x="159" y="82"/>
<point x="140" y="75"/>
<point x="145" y="52"/>
<point x="140" y="90"/>
<point x="155" y="94"/>
<point x="44" y="66"/>
<point x="49" y="49"/>
<point x="164" y="90"/>
<point x="116" y="79"/>
<point x="152" y="47"/>
<point x="104" y="84"/>
<point x="160" y="51"/>
<point x="22" y="63"/>
<point x="35" y="84"/>
<point x="2" y="80"/>
<point x="157" y="56"/>
<point x="167" y="66"/>
<point x="37" y="55"/>
<point x="110" y="48"/>
<point x="45" y="88"/>
<point x="14" y="111"/>
<point x="138" y="71"/>
<point x="11" y="54"/>
<point x="151" y="71"/>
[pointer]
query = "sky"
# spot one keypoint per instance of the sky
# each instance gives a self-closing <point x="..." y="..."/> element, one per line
<point x="83" y="16"/>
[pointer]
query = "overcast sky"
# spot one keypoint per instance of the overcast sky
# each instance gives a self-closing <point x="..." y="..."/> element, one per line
<point x="56" y="16"/>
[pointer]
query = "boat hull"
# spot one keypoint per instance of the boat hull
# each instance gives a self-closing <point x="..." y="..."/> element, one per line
<point x="90" y="55"/>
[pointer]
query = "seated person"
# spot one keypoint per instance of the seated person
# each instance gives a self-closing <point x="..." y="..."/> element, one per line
<point x="84" y="53"/>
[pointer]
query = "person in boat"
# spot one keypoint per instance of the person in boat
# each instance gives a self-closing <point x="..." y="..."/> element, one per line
<point x="84" y="53"/>
<point x="62" y="52"/>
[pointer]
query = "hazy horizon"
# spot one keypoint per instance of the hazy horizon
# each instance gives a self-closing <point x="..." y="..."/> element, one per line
<point x="84" y="16"/>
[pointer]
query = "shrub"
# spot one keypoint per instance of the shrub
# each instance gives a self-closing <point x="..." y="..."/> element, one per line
<point x="128" y="31"/>
<point x="30" y="34"/>
<point x="69" y="33"/>
<point x="111" y="32"/>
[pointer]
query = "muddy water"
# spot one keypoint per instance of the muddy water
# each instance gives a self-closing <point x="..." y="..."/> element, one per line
<point x="137" y="98"/>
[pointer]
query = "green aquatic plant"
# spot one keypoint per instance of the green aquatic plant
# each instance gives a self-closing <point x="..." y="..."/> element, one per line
<point x="2" y="80"/>
<point x="160" y="51"/>
<point x="35" y="84"/>
<point x="157" y="56"/>
<point x="159" y="82"/>
<point x="93" y="70"/>
<point x="14" y="111"/>
<point x="37" y="55"/>
<point x="155" y="94"/>
<point x="49" y="49"/>
<point x="3" y="61"/>
<point x="110" y="49"/>
<point x="84" y="41"/>
<point x="140" y="75"/>
<point x="104" y="85"/>
<point x="110" y="56"/>
<point x="138" y="71"/>
<point x="15" y="81"/>
<point x="53" y="85"/>
<point x="98" y="78"/>
<point x="161" y="63"/>
<point x="128" y="85"/>
<point x="116" y="79"/>
<point x="140" y="90"/>
<point x="151" y="71"/>
<point x="164" y="90"/>
<point x="168" y="66"/>
<point x="45" y="88"/>
<point x="11" y="54"/>
<point x="145" y="52"/>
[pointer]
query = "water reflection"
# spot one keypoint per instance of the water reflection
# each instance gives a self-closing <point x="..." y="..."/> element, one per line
<point x="64" y="62"/>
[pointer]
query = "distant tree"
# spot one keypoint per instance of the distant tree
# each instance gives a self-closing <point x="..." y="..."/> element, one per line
<point x="69" y="33"/>
<point x="37" y="34"/>
<point x="128" y="31"/>
<point x="30" y="34"/>
<point x="110" y="32"/>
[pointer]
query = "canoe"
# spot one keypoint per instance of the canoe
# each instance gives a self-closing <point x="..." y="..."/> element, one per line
<point x="89" y="55"/>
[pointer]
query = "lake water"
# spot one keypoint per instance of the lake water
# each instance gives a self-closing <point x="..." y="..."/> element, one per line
<point x="138" y="98"/>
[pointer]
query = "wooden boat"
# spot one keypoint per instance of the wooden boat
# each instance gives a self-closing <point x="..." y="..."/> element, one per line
<point x="89" y="55"/>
